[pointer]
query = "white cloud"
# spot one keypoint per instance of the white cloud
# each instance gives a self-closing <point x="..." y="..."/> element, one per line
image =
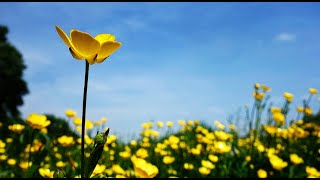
<point x="285" y="37"/>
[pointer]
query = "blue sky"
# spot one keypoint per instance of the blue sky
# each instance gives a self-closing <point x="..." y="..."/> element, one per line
<point x="178" y="60"/>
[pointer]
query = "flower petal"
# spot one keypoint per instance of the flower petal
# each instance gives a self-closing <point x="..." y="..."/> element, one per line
<point x="84" y="44"/>
<point x="102" y="38"/>
<point x="107" y="49"/>
<point x="63" y="36"/>
<point x="75" y="55"/>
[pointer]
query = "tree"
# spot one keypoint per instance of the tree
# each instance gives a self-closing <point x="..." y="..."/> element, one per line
<point x="12" y="87"/>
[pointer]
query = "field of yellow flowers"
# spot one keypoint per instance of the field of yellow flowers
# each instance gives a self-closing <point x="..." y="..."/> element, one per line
<point x="45" y="146"/>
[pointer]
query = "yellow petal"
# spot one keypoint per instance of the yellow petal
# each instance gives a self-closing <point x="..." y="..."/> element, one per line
<point x="84" y="44"/>
<point x="75" y="55"/>
<point x="107" y="49"/>
<point x="105" y="37"/>
<point x="63" y="36"/>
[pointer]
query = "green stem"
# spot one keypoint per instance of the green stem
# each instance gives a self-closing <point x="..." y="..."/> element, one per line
<point x="84" y="117"/>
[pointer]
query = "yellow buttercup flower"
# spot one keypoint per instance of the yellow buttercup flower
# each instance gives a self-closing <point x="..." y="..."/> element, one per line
<point x="265" y="88"/>
<point x="77" y="121"/>
<point x="299" y="109"/>
<point x="66" y="141"/>
<point x="207" y="164"/>
<point x="168" y="159"/>
<point x="204" y="170"/>
<point x="143" y="169"/>
<point x="24" y="165"/>
<point x="11" y="162"/>
<point x="262" y="173"/>
<point x="279" y="118"/>
<point x="277" y="163"/>
<point x="308" y="111"/>
<point x="256" y="85"/>
<point x="313" y="91"/>
<point x="295" y="159"/>
<point x="44" y="172"/>
<point x="37" y="121"/>
<point x="213" y="158"/>
<point x="169" y="123"/>
<point x="17" y="128"/>
<point x="188" y="166"/>
<point x="83" y="46"/>
<point x="288" y="96"/>
<point x="70" y="113"/>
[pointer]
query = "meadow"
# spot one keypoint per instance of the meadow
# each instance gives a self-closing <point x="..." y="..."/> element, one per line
<point x="44" y="146"/>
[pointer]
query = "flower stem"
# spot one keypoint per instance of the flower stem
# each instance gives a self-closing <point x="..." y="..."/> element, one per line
<point x="84" y="117"/>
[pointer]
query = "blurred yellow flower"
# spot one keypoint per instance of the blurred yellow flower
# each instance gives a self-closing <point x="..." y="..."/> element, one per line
<point x="142" y="153"/>
<point x="60" y="164"/>
<point x="262" y="173"/>
<point x="204" y="171"/>
<point x="221" y="147"/>
<point x="277" y="163"/>
<point x="173" y="139"/>
<point x="168" y="159"/>
<point x="116" y="168"/>
<point x="288" y="96"/>
<point x="181" y="122"/>
<point x="219" y="125"/>
<point x="265" y="88"/>
<point x="98" y="169"/>
<point x="279" y="118"/>
<point x="83" y="46"/>
<point x="275" y="110"/>
<point x="104" y="119"/>
<point x="70" y="113"/>
<point x="258" y="96"/>
<point x="44" y="172"/>
<point x="66" y="141"/>
<point x="299" y="109"/>
<point x="88" y="124"/>
<point x="143" y="169"/>
<point x="257" y="86"/>
<point x="188" y="166"/>
<point x="77" y="121"/>
<point x="295" y="159"/>
<point x="125" y="154"/>
<point x="97" y="123"/>
<point x="2" y="144"/>
<point x="248" y="158"/>
<point x="133" y="143"/>
<point x="311" y="171"/>
<point x="213" y="158"/>
<point x="308" y="111"/>
<point x="169" y="123"/>
<point x="313" y="91"/>
<point x="9" y="140"/>
<point x="232" y="127"/>
<point x="3" y="157"/>
<point x="207" y="164"/>
<point x="160" y="124"/>
<point x="11" y="162"/>
<point x="16" y="128"/>
<point x="24" y="165"/>
<point x="37" y="121"/>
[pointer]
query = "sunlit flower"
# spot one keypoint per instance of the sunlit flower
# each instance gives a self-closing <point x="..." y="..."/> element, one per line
<point x="143" y="169"/>
<point x="181" y="122"/>
<point x="288" y="96"/>
<point x="308" y="111"/>
<point x="118" y="169"/>
<point x="168" y="159"/>
<point x="188" y="166"/>
<point x="17" y="128"/>
<point x="160" y="124"/>
<point x="70" y="113"/>
<point x="11" y="162"/>
<point x="66" y="141"/>
<point x="169" y="123"/>
<point x="88" y="124"/>
<point x="313" y="172"/>
<point x="83" y="46"/>
<point x="204" y="170"/>
<point x="313" y="91"/>
<point x="265" y="88"/>
<point x="207" y="164"/>
<point x="37" y="121"/>
<point x="219" y="125"/>
<point x="277" y="163"/>
<point x="257" y="86"/>
<point x="125" y="154"/>
<point x="279" y="118"/>
<point x="299" y="109"/>
<point x="142" y="153"/>
<point x="275" y="110"/>
<point x="295" y="159"/>
<point x="258" y="96"/>
<point x="213" y="158"/>
<point x="77" y="121"/>
<point x="44" y="172"/>
<point x="262" y="173"/>
<point x="221" y="147"/>
<point x="24" y="165"/>
<point x="60" y="164"/>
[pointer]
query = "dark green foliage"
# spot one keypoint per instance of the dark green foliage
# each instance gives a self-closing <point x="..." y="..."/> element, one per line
<point x="13" y="87"/>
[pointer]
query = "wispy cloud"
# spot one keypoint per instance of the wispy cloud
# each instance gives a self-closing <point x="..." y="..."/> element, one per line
<point x="288" y="37"/>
